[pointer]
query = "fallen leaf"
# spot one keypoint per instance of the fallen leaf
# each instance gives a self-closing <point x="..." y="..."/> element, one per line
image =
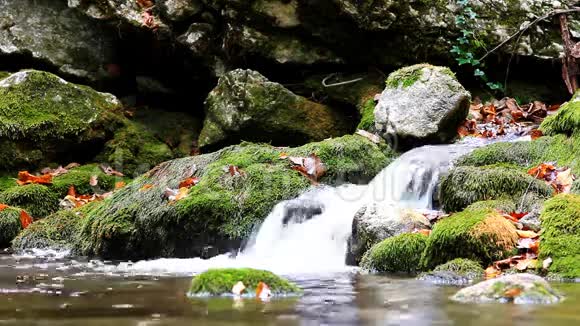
<point x="238" y="288"/>
<point x="234" y="170"/>
<point x="25" y="219"/>
<point x="425" y="232"/>
<point x="72" y="166"/>
<point x="513" y="292"/>
<point x="283" y="156"/>
<point x="72" y="191"/>
<point x="54" y="172"/>
<point x="120" y="184"/>
<point x="94" y="180"/>
<point x="145" y="3"/>
<point x="311" y="166"/>
<point x="527" y="234"/>
<point x="146" y="187"/>
<point x="524" y="264"/>
<point x="263" y="291"/>
<point x="547" y="262"/>
<point x="110" y="171"/>
<point x="189" y="182"/>
<point x="3" y="207"/>
<point x="25" y="178"/>
<point x="491" y="272"/>
<point x="370" y="136"/>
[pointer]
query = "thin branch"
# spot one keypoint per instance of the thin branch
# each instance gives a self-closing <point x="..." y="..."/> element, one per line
<point x="340" y="83"/>
<point x="521" y="31"/>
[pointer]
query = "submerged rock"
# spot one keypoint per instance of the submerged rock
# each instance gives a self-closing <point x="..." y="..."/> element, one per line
<point x="401" y="253"/>
<point x="516" y="288"/>
<point x="421" y="104"/>
<point x="481" y="235"/>
<point x="560" y="238"/>
<point x="375" y="222"/>
<point x="51" y="33"/>
<point x="245" y="105"/>
<point x="221" y="281"/>
<point x="459" y="271"/>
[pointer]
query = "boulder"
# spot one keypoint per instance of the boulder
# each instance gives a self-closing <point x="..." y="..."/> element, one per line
<point x="459" y="271"/>
<point x="245" y="105"/>
<point x="49" y="32"/>
<point x="55" y="231"/>
<point x="481" y="235"/>
<point x="401" y="253"/>
<point x="375" y="222"/>
<point x="560" y="239"/>
<point x="10" y="225"/>
<point x="138" y="221"/>
<point x="566" y="120"/>
<point x="421" y="104"/>
<point x="516" y="288"/>
<point x="38" y="200"/>
<point x="220" y="281"/>
<point x="465" y="185"/>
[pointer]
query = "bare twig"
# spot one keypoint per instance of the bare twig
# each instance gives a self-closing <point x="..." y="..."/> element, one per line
<point x="339" y="83"/>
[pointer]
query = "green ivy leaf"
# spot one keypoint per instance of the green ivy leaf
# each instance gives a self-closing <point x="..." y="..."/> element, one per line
<point x="478" y="73"/>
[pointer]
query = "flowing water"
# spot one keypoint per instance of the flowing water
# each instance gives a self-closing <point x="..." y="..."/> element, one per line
<point x="303" y="239"/>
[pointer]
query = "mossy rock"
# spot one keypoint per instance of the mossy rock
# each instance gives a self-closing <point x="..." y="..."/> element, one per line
<point x="560" y="238"/>
<point x="80" y="177"/>
<point x="401" y="253"/>
<point x="220" y="282"/>
<point x="56" y="231"/>
<point x="7" y="182"/>
<point x="481" y="235"/>
<point x="407" y="76"/>
<point x="38" y="200"/>
<point x="563" y="150"/>
<point x="504" y="205"/>
<point x="461" y="266"/>
<point x="465" y="185"/>
<point x="566" y="120"/>
<point x="10" y="225"/>
<point x="44" y="118"/>
<point x="222" y="209"/>
<point x="367" y="111"/>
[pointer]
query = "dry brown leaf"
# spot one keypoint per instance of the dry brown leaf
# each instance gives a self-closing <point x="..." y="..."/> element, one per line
<point x="370" y="136"/>
<point x="94" y="180"/>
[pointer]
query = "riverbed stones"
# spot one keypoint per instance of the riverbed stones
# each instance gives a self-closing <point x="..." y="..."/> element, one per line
<point x="481" y="235"/>
<point x="377" y="221"/>
<point x="421" y="104"/>
<point x="245" y="105"/>
<point x="459" y="271"/>
<point x="514" y="288"/>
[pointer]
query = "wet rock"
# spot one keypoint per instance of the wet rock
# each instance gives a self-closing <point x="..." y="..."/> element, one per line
<point x="10" y="225"/>
<point x="400" y="253"/>
<point x="179" y="10"/>
<point x="516" y="288"/>
<point x="50" y="32"/>
<point x="566" y="120"/>
<point x="531" y="221"/>
<point x="197" y="39"/>
<point x="299" y="211"/>
<point x="458" y="271"/>
<point x="481" y="235"/>
<point x="421" y="104"/>
<point x="375" y="222"/>
<point x="245" y="105"/>
<point x="56" y="231"/>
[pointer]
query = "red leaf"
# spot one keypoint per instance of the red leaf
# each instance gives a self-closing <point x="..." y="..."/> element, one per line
<point x="234" y="170"/>
<point x="188" y="183"/>
<point x="25" y="178"/>
<point x="25" y="219"/>
<point x="3" y="207"/>
<point x="535" y="134"/>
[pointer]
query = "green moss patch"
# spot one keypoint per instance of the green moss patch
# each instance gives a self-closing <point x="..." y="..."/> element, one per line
<point x="55" y="231"/>
<point x="80" y="178"/>
<point x="407" y="76"/>
<point x="566" y="120"/>
<point x="10" y="225"/>
<point x="462" y="267"/>
<point x="367" y="120"/>
<point x="38" y="200"/>
<point x="465" y="185"/>
<point x="401" y="253"/>
<point x="221" y="281"/>
<point x="560" y="239"/>
<point x="504" y="205"/>
<point x="480" y="235"/>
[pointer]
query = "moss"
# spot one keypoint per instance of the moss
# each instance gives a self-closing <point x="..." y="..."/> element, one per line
<point x="560" y="238"/>
<point x="401" y="253"/>
<point x="56" y="231"/>
<point x="465" y="185"/>
<point x="565" y="151"/>
<point x="80" y="178"/>
<point x="133" y="150"/>
<point x="7" y="182"/>
<point x="407" y="76"/>
<point x="463" y="267"/>
<point x="566" y="120"/>
<point x="480" y="235"/>
<point x="220" y="282"/>
<point x="38" y="200"/>
<point x="4" y="74"/>
<point x="10" y="225"/>
<point x="367" y="121"/>
<point x="504" y="205"/>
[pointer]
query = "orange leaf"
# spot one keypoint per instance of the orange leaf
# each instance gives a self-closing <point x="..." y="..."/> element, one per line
<point x="72" y="191"/>
<point x="3" y="207"/>
<point x="512" y="293"/>
<point x="283" y="156"/>
<point x="424" y="232"/>
<point x="189" y="182"/>
<point x="146" y="187"/>
<point x="535" y="134"/>
<point x="491" y="272"/>
<point x="25" y="178"/>
<point x="25" y="219"/>
<point x="527" y="234"/>
<point x="120" y="184"/>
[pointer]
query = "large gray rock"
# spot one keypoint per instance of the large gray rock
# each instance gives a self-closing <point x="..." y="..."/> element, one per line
<point x="50" y="32"/>
<point x="375" y="222"/>
<point x="247" y="106"/>
<point x="516" y="288"/>
<point x="421" y="104"/>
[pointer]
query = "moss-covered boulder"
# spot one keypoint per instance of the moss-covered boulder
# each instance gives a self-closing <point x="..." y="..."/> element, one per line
<point x="566" y="120"/>
<point x="221" y="281"/>
<point x="465" y="185"/>
<point x="401" y="253"/>
<point x="421" y="104"/>
<point x="516" y="288"/>
<point x="560" y="239"/>
<point x="56" y="231"/>
<point x="504" y="205"/>
<point x="480" y="235"/>
<point x="246" y="106"/>
<point x="10" y="225"/>
<point x="80" y="178"/>
<point x="459" y="271"/>
<point x="44" y="119"/>
<point x="222" y="209"/>
<point x="38" y="200"/>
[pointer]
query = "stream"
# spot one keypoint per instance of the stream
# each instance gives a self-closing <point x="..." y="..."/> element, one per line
<point x="303" y="239"/>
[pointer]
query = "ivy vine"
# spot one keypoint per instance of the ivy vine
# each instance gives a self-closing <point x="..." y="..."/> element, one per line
<point x="467" y="44"/>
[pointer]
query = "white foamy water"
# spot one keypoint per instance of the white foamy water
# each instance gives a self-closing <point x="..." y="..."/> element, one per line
<point x="308" y="235"/>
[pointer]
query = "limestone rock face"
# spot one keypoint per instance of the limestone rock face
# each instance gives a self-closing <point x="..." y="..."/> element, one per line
<point x="246" y="106"/>
<point x="421" y="104"/>
<point x="48" y="31"/>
